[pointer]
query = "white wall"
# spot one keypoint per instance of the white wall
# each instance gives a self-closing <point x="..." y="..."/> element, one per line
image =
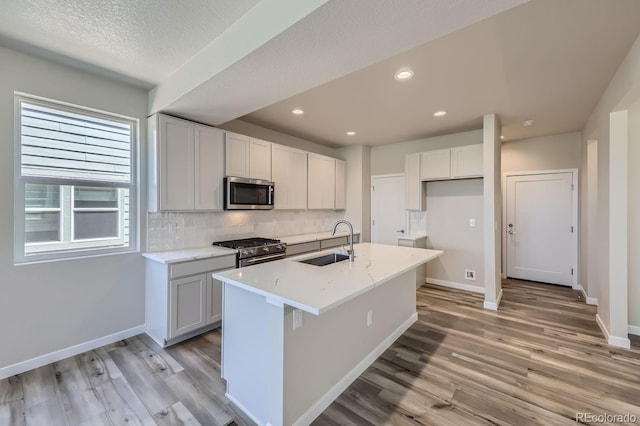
<point x="492" y="189"/>
<point x="634" y="216"/>
<point x="51" y="306"/>
<point x="544" y="153"/>
<point x="621" y="93"/>
<point x="450" y="205"/>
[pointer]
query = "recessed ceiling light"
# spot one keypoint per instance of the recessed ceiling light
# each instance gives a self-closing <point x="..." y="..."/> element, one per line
<point x="527" y="123"/>
<point x="404" y="74"/>
<point x="440" y="113"/>
<point x="351" y="133"/>
<point x="297" y="111"/>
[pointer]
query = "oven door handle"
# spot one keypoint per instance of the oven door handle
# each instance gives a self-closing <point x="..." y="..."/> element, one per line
<point x="264" y="258"/>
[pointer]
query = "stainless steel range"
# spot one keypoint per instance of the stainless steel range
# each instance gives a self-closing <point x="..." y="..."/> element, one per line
<point x="251" y="251"/>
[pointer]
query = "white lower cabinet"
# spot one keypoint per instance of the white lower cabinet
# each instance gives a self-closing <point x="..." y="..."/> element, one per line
<point x="187" y="309"/>
<point x="182" y="299"/>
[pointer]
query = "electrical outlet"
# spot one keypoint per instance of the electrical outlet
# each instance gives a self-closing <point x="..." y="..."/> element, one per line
<point x="297" y="319"/>
<point x="472" y="222"/>
<point x="469" y="274"/>
<point x="369" y="317"/>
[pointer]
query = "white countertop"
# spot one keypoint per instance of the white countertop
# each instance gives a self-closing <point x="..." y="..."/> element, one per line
<point x="412" y="237"/>
<point x="317" y="289"/>
<point x="305" y="238"/>
<point x="175" y="256"/>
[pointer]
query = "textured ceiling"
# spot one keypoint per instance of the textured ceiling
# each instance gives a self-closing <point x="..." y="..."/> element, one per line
<point x="142" y="40"/>
<point x="546" y="60"/>
<point x="214" y="61"/>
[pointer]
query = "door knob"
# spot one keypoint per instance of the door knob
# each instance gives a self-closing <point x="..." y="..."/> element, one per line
<point x="401" y="231"/>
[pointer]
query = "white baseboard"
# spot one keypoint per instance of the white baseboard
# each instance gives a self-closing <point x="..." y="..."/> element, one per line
<point x="457" y="286"/>
<point x="21" y="367"/>
<point x="244" y="409"/>
<point x="634" y="329"/>
<point x="491" y="305"/>
<point x="588" y="300"/>
<point x="622" y="342"/>
<point x="316" y="409"/>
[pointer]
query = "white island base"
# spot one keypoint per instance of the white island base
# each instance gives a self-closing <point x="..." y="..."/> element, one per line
<point x="281" y="376"/>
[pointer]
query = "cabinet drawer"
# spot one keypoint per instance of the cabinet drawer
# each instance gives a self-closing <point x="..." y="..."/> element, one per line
<point x="334" y="242"/>
<point x="201" y="266"/>
<point x="303" y="248"/>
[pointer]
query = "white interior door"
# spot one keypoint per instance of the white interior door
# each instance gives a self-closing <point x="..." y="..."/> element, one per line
<point x="540" y="229"/>
<point x="388" y="216"/>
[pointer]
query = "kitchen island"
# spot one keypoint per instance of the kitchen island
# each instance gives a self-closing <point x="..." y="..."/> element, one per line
<point x="296" y="335"/>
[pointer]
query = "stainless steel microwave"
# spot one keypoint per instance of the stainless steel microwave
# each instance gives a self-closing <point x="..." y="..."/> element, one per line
<point x="247" y="194"/>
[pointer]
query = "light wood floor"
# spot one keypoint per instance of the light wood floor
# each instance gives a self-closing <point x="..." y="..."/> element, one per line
<point x="539" y="360"/>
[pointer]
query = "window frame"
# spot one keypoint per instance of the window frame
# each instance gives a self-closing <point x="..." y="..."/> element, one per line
<point x="84" y="247"/>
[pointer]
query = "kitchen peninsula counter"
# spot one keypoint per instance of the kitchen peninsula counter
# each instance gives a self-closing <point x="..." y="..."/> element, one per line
<point x="296" y="335"/>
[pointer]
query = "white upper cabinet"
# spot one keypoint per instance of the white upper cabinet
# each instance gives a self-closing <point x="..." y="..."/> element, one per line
<point x="185" y="165"/>
<point x="236" y="155"/>
<point x="321" y="182"/>
<point x="259" y="159"/>
<point x="289" y="175"/>
<point x="209" y="168"/>
<point x="466" y="161"/>
<point x="435" y="164"/>
<point x="247" y="157"/>
<point x="452" y="163"/>
<point x="414" y="193"/>
<point x="341" y="185"/>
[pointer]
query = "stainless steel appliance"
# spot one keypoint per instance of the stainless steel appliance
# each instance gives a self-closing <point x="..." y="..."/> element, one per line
<point x="247" y="194"/>
<point x="251" y="251"/>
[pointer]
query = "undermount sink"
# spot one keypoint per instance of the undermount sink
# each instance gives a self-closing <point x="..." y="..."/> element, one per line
<point x="326" y="259"/>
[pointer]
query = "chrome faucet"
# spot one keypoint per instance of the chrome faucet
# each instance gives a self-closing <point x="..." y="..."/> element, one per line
<point x="350" y="250"/>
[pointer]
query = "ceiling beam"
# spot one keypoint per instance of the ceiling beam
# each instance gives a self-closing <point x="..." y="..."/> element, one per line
<point x="263" y="22"/>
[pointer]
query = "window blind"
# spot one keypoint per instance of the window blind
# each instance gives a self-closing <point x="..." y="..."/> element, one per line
<point x="65" y="145"/>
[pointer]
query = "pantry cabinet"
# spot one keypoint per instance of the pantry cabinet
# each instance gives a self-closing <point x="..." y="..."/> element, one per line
<point x="414" y="189"/>
<point x="185" y="165"/>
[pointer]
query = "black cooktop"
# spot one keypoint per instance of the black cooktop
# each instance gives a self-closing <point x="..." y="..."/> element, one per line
<point x="246" y="243"/>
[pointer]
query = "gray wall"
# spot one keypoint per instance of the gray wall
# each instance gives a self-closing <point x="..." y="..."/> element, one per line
<point x="622" y="91"/>
<point x="544" y="153"/>
<point x="51" y="306"/>
<point x="450" y="205"/>
<point x="634" y="216"/>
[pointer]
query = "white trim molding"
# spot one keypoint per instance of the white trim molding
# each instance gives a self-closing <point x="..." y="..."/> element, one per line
<point x="21" y="367"/>
<point x="491" y="305"/>
<point x="316" y="409"/>
<point x="588" y="300"/>
<point x="634" y="329"/>
<point x="455" y="285"/>
<point x="622" y="342"/>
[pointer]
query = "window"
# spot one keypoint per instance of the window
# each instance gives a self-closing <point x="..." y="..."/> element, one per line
<point x="75" y="192"/>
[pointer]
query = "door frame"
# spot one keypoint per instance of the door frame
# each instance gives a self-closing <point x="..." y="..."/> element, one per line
<point x="371" y="183"/>
<point x="574" y="207"/>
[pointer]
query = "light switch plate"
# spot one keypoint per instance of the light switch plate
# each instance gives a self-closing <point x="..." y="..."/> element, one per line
<point x="472" y="222"/>
<point x="297" y="319"/>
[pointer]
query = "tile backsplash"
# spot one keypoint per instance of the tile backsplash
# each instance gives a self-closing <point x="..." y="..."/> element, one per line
<point x="418" y="222"/>
<point x="175" y="231"/>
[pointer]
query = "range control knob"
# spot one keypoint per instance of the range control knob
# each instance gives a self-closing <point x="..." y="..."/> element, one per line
<point x="265" y="249"/>
<point x="244" y="252"/>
